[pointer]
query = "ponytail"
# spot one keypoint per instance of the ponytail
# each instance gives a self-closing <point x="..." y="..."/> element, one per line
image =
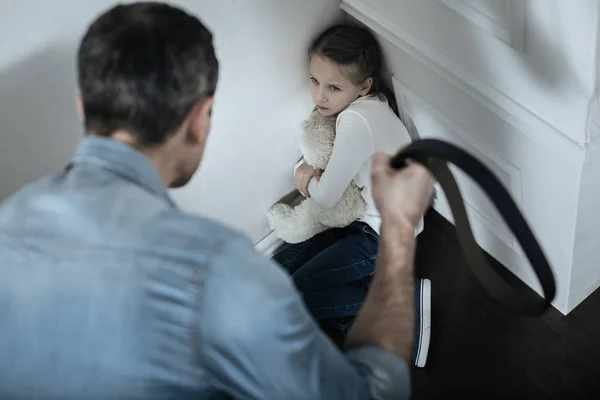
<point x="401" y="112"/>
<point x="380" y="87"/>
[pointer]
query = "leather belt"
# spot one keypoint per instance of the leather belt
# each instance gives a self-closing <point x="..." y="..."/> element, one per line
<point x="435" y="155"/>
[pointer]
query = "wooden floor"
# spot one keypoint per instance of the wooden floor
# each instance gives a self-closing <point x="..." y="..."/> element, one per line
<point x="481" y="351"/>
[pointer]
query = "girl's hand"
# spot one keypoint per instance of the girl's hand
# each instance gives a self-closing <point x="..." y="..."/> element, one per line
<point x="304" y="174"/>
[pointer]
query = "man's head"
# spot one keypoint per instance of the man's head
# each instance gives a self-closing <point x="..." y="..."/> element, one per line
<point x="147" y="75"/>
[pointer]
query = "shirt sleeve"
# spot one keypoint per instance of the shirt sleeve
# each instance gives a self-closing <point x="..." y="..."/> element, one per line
<point x="258" y="341"/>
<point x="352" y="147"/>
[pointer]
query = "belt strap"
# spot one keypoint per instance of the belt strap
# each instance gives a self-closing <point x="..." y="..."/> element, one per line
<point x="434" y="155"/>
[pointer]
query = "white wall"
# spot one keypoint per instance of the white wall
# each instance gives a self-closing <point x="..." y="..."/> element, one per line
<point x="262" y="98"/>
<point x="513" y="82"/>
<point x="586" y="257"/>
<point x="261" y="101"/>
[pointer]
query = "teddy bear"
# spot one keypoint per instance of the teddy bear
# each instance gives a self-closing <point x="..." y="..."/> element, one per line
<point x="297" y="224"/>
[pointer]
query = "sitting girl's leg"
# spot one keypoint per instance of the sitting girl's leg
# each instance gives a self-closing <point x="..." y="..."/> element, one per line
<point x="335" y="283"/>
<point x="337" y="302"/>
<point x="292" y="256"/>
<point x="332" y="269"/>
<point x="351" y="258"/>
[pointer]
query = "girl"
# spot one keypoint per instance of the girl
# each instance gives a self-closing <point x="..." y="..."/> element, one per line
<point x="332" y="270"/>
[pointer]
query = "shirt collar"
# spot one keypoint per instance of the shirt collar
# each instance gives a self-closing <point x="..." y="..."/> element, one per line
<point x="123" y="160"/>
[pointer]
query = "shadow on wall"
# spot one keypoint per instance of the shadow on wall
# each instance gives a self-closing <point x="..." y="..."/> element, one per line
<point x="549" y="67"/>
<point x="39" y="127"/>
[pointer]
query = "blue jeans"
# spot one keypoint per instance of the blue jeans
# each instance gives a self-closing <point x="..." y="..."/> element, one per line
<point x="332" y="271"/>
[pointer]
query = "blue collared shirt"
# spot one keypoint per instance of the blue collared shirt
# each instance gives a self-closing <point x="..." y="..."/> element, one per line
<point x="108" y="291"/>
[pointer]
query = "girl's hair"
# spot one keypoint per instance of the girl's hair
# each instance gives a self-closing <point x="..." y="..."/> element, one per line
<point x="357" y="49"/>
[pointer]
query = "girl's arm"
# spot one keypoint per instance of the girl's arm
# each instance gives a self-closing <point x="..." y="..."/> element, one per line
<point x="353" y="147"/>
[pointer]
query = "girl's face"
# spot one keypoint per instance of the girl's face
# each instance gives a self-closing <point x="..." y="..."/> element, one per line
<point x="330" y="89"/>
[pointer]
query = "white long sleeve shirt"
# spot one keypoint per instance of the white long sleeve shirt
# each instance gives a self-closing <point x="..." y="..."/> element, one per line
<point x="368" y="125"/>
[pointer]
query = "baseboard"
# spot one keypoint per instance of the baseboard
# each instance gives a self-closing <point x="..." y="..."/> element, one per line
<point x="268" y="244"/>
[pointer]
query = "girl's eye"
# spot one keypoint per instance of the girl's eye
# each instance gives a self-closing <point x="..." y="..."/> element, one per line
<point x="334" y="88"/>
<point x="314" y="81"/>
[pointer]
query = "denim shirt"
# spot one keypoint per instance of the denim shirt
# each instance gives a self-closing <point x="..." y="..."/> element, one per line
<point x="108" y="291"/>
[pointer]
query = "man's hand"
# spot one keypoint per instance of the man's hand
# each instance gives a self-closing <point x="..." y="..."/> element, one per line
<point x="400" y="196"/>
<point x="304" y="174"/>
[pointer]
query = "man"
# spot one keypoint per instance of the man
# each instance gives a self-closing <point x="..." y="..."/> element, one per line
<point x="108" y="291"/>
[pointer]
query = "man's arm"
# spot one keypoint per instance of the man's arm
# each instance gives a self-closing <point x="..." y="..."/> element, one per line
<point x="387" y="316"/>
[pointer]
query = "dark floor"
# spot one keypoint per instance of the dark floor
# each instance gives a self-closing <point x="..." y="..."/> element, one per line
<point x="480" y="350"/>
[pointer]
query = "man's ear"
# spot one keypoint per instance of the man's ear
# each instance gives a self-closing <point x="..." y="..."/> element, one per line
<point x="366" y="86"/>
<point x="79" y="106"/>
<point x="200" y="120"/>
